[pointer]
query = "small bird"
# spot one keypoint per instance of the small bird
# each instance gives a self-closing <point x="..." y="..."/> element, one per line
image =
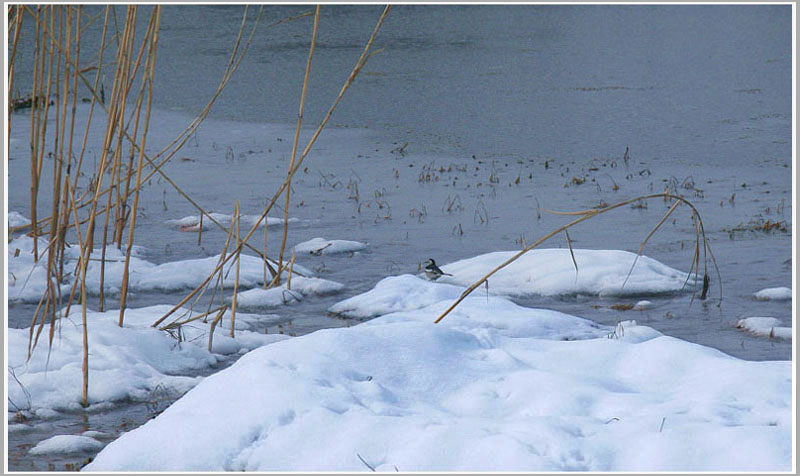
<point x="433" y="272"/>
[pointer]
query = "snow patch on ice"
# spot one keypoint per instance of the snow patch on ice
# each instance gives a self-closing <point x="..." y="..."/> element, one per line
<point x="192" y="222"/>
<point x="321" y="246"/>
<point x="259" y="298"/>
<point x="780" y="293"/>
<point x="550" y="272"/>
<point x="65" y="444"/>
<point x="764" y="327"/>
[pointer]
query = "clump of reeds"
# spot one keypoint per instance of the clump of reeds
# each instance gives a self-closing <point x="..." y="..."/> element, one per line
<point x="105" y="200"/>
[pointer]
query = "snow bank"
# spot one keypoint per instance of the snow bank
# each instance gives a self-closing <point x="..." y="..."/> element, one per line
<point x="764" y="327"/>
<point x="257" y="298"/>
<point x="124" y="363"/>
<point x="27" y="281"/>
<point x="550" y="272"/>
<point x="493" y="387"/>
<point x="321" y="246"/>
<point x="780" y="293"/>
<point x="65" y="444"/>
<point x="192" y="222"/>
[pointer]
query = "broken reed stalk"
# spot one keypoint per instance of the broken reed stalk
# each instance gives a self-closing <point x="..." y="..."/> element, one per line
<point x="296" y="141"/>
<point x="214" y="326"/>
<point x="587" y="215"/>
<point x="218" y="272"/>
<point x="572" y="254"/>
<point x="176" y="324"/>
<point x="362" y="60"/>
<point x="291" y="270"/>
<point x="235" y="297"/>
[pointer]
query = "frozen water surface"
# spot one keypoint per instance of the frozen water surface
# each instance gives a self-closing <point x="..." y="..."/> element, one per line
<point x="507" y="111"/>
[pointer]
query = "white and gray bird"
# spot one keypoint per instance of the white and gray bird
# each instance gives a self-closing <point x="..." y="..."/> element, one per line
<point x="433" y="272"/>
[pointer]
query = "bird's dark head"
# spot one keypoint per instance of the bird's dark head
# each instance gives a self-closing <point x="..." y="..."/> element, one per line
<point x="430" y="262"/>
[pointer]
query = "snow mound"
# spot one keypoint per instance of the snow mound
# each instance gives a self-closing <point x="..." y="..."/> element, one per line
<point x="65" y="444"/>
<point x="396" y="293"/>
<point x="321" y="246"/>
<point x="126" y="362"/>
<point x="764" y="327"/>
<point x="550" y="272"/>
<point x="780" y="293"/>
<point x="192" y="222"/>
<point x="16" y="219"/>
<point x="493" y="387"/>
<point x="273" y="297"/>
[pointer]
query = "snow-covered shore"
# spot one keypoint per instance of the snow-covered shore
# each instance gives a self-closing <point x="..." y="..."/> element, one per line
<point x="494" y="387"/>
<point x="126" y="362"/>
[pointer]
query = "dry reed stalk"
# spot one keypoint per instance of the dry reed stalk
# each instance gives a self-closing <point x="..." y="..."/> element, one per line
<point x="266" y="234"/>
<point x="297" y="140"/>
<point x="200" y="231"/>
<point x="586" y="215"/>
<point x="291" y="269"/>
<point x="149" y="74"/>
<point x="38" y="66"/>
<point x="19" y="15"/>
<point x="365" y="55"/>
<point x="234" y="299"/>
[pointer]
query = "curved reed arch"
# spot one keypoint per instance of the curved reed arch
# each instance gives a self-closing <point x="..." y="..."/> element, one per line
<point x="585" y="215"/>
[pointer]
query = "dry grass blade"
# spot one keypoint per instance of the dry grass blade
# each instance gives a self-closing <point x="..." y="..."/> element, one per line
<point x="644" y="242"/>
<point x="584" y="216"/>
<point x="235" y="297"/>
